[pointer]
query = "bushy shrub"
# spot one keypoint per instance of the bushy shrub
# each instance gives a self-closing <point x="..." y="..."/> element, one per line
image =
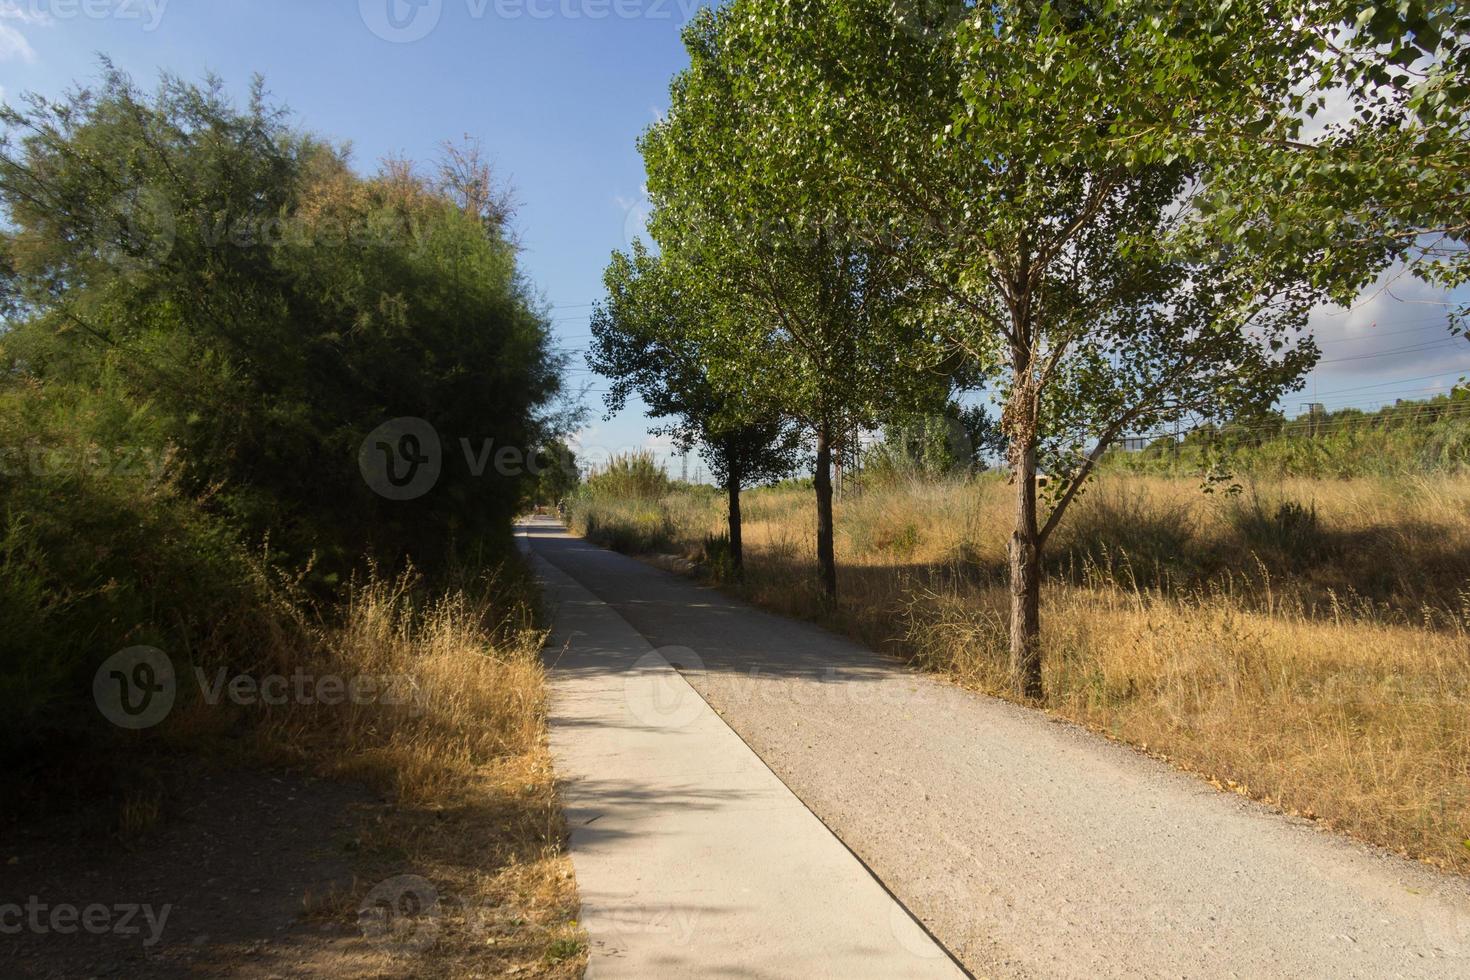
<point x="717" y="558"/>
<point x="265" y="308"/>
<point x="99" y="551"/>
<point x="1115" y="528"/>
<point x="630" y="476"/>
<point x="1400" y="439"/>
<point x="1290" y="534"/>
<point x="206" y="313"/>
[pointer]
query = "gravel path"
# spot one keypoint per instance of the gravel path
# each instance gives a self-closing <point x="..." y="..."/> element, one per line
<point x="692" y="858"/>
<point x="1028" y="846"/>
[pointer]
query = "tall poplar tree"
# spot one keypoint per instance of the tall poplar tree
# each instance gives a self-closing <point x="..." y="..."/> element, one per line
<point x="646" y="342"/>
<point x="824" y="333"/>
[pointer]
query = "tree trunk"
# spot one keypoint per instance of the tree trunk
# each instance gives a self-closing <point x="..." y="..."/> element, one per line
<point x="732" y="488"/>
<point x="1025" y="555"/>
<point x="826" y="553"/>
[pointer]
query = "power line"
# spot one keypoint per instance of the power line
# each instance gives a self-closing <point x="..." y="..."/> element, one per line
<point x="1416" y="394"/>
<point x="1386" y="384"/>
<point x="1372" y="407"/>
<point x="1388" y="333"/>
<point x="1452" y="410"/>
<point x="1393" y="323"/>
<point x="1398" y="350"/>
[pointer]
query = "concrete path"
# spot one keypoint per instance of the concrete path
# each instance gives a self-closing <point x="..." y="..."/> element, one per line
<point x="1028" y="846"/>
<point x="692" y="858"/>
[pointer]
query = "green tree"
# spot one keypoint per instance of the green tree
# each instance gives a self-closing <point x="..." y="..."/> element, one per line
<point x="236" y="278"/>
<point x="205" y="314"/>
<point x="646" y="342"/>
<point x="820" y="333"/>
<point x="1363" y="157"/>
<point x="981" y="153"/>
<point x="555" y="475"/>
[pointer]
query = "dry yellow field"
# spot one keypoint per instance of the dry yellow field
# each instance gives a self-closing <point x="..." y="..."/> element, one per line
<point x="1304" y="642"/>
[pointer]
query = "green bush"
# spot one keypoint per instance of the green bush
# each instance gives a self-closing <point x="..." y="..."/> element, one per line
<point x="717" y="557"/>
<point x="1290" y="534"/>
<point x="206" y="313"/>
<point x="99" y="551"/>
<point x="630" y="476"/>
<point x="1114" y="530"/>
<point x="265" y="308"/>
<point x="1409" y="437"/>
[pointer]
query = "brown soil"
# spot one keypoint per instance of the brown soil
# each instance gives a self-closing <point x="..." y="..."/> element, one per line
<point x="238" y="865"/>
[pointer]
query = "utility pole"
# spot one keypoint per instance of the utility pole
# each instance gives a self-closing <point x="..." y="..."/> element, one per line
<point x="1315" y="411"/>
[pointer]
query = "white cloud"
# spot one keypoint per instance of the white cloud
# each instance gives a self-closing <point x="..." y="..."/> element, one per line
<point x="1394" y="342"/>
<point x="1337" y="111"/>
<point x="1398" y="311"/>
<point x="582" y="438"/>
<point x="13" y="43"/>
<point x="14" y="46"/>
<point x="10" y="10"/>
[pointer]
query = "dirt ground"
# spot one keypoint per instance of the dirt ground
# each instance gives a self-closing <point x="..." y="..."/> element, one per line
<point x="240" y="880"/>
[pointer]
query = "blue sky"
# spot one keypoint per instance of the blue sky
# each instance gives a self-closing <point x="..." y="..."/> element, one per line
<point x="558" y="91"/>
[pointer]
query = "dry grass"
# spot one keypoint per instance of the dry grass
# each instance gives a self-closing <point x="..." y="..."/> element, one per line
<point x="456" y="741"/>
<point x="1304" y="642"/>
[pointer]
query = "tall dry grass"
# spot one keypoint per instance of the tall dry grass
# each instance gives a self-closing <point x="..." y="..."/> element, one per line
<point x="1304" y="642"/>
<point x="466" y="688"/>
<point x="464" y="754"/>
<point x="449" y="725"/>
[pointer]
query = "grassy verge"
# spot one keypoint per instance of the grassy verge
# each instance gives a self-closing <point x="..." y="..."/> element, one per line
<point x="434" y="697"/>
<point x="448" y="722"/>
<point x="463" y="756"/>
<point x="1305" y="642"/>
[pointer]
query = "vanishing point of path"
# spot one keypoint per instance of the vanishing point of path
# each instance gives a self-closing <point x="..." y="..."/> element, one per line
<point x="1026" y="846"/>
